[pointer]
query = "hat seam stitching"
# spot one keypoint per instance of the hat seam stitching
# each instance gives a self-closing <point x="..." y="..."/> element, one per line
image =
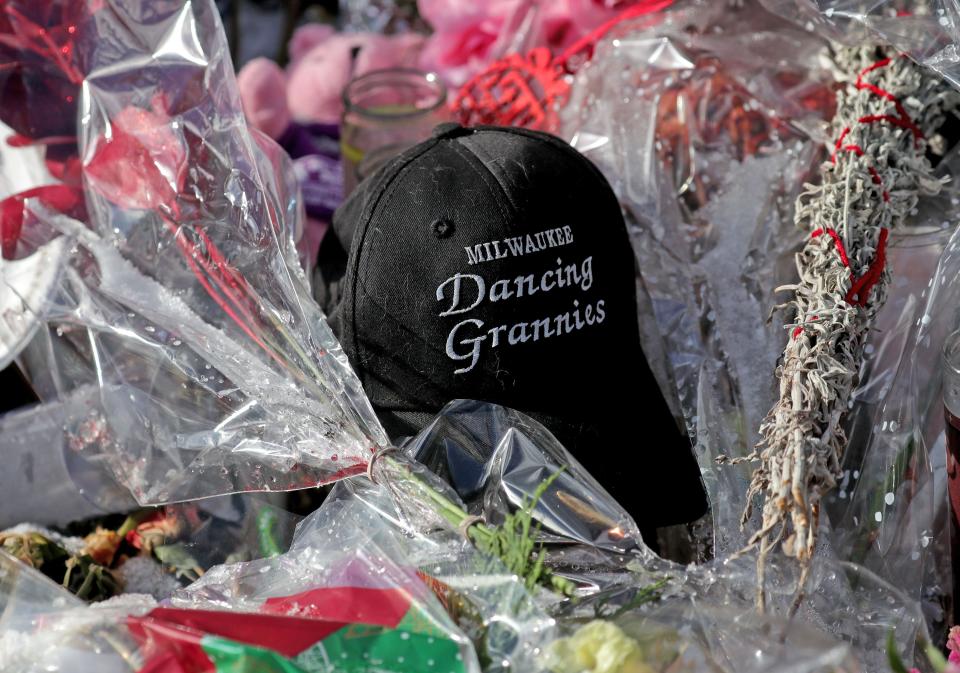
<point x="486" y="174"/>
<point x="475" y="156"/>
<point x="560" y="144"/>
<point x="363" y="229"/>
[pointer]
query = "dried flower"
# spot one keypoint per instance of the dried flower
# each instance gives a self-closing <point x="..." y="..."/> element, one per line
<point x="32" y="548"/>
<point x="89" y="580"/>
<point x="101" y="545"/>
<point x="842" y="284"/>
<point x="154" y="531"/>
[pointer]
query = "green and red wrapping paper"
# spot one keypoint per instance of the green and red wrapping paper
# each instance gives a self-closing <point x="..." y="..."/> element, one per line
<point x="350" y="629"/>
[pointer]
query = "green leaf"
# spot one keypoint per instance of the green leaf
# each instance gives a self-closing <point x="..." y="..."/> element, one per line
<point x="514" y="542"/>
<point x="936" y="657"/>
<point x="896" y="663"/>
<point x="178" y="559"/>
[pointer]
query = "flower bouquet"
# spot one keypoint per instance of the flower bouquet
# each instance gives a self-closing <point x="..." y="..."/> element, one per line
<point x="178" y="333"/>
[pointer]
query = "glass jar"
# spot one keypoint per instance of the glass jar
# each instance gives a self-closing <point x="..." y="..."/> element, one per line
<point x="384" y="113"/>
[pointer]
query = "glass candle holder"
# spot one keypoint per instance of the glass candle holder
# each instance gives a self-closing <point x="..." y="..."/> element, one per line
<point x="384" y="113"/>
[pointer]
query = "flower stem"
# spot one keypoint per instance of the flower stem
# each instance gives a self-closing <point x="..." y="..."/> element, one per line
<point x="517" y="554"/>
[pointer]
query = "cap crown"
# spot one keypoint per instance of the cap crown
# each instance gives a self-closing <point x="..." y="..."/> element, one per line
<point x="494" y="264"/>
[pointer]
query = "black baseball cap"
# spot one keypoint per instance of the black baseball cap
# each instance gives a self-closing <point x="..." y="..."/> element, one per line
<point x="493" y="263"/>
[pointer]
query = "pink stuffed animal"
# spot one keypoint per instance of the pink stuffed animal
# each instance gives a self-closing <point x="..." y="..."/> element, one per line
<point x="300" y="108"/>
<point x="322" y="62"/>
<point x="263" y="92"/>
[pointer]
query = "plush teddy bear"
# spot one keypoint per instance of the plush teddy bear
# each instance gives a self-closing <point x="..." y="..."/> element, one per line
<point x="322" y="61"/>
<point x="301" y="107"/>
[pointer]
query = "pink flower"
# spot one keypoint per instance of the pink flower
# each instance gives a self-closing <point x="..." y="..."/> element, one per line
<point x="953" y="644"/>
<point x="467" y="35"/>
<point x="563" y="22"/>
<point x="141" y="162"/>
<point x="263" y="92"/>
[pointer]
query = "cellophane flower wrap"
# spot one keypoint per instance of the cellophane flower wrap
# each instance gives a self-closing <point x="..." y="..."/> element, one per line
<point x="377" y="571"/>
<point x="174" y="327"/>
<point x="708" y="125"/>
<point x="178" y="312"/>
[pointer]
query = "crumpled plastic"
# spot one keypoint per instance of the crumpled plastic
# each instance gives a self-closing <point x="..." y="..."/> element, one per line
<point x="366" y="538"/>
<point x="228" y="379"/>
<point x="926" y="30"/>
<point x="489" y="453"/>
<point x="703" y="126"/>
<point x="343" y="543"/>
<point x="495" y="457"/>
<point x="37" y="452"/>
<point x="179" y="299"/>
<point x="43" y="627"/>
<point x="363" y="553"/>
<point x="356" y="613"/>
<point x="683" y="637"/>
<point x="707" y="125"/>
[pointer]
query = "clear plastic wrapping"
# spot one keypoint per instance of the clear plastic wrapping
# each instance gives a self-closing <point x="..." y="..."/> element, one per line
<point x="180" y="300"/>
<point x="707" y="145"/>
<point x="369" y="551"/>
<point x="707" y="126"/>
<point x="321" y="602"/>
<point x="36" y="452"/>
<point x="927" y="30"/>
<point x="495" y="458"/>
<point x="177" y="342"/>
<point x="490" y="454"/>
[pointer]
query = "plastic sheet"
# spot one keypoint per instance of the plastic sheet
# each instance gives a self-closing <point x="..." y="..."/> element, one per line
<point x="26" y="595"/>
<point x="927" y="30"/>
<point x="684" y="638"/>
<point x="507" y="624"/>
<point x="717" y="123"/>
<point x="487" y="452"/>
<point x="182" y="326"/>
<point x="182" y="302"/>
<point x="88" y="638"/>
<point x="703" y="126"/>
<point x="495" y="457"/>
<point x="369" y="541"/>
<point x="303" y="612"/>
<point x="366" y="550"/>
<point x="343" y="558"/>
<point x="45" y="628"/>
<point x="36" y="452"/>
<point x="705" y="618"/>
<point x="893" y="513"/>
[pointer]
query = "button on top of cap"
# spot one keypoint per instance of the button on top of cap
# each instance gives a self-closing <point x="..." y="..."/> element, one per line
<point x="450" y="130"/>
